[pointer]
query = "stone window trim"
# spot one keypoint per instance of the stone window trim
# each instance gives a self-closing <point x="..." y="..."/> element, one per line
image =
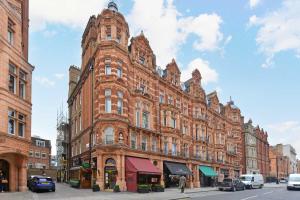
<point x="43" y="155"/>
<point x="10" y="31"/>
<point x="108" y="135"/>
<point x="37" y="154"/>
<point x="17" y="80"/>
<point x="16" y="123"/>
<point x="108" y="103"/>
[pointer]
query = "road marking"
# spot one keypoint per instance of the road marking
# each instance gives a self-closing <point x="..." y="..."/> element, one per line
<point x="268" y="193"/>
<point x="249" y="197"/>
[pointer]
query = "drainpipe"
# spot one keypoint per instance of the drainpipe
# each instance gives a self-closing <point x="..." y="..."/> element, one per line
<point x="92" y="113"/>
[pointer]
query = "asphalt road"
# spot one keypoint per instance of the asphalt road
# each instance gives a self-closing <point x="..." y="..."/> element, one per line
<point x="256" y="194"/>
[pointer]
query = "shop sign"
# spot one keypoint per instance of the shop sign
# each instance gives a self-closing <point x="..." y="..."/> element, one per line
<point x="86" y="165"/>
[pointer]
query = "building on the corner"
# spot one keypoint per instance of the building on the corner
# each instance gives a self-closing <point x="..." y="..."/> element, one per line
<point x="129" y="118"/>
<point x="15" y="93"/>
<point x="39" y="153"/>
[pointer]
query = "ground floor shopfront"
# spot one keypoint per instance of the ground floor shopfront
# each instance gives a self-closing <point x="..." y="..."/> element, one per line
<point x="13" y="167"/>
<point x="13" y="162"/>
<point x="127" y="168"/>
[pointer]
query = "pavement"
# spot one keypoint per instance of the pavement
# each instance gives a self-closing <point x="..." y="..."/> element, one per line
<point x="65" y="192"/>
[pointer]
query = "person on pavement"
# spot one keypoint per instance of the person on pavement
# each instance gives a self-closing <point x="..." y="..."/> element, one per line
<point x="2" y="178"/>
<point x="182" y="182"/>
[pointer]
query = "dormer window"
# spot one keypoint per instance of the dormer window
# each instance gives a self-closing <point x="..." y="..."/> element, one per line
<point x="142" y="60"/>
<point x="108" y="33"/>
<point x="118" y="39"/>
<point x="107" y="69"/>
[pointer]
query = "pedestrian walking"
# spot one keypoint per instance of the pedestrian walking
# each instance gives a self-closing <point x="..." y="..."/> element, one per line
<point x="2" y="181"/>
<point x="182" y="182"/>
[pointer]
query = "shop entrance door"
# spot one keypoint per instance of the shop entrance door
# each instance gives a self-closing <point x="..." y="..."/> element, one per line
<point x="110" y="174"/>
<point x="4" y="167"/>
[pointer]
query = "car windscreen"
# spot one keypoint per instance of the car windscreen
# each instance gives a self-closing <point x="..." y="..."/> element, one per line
<point x="295" y="179"/>
<point x="43" y="180"/>
<point x="245" y="178"/>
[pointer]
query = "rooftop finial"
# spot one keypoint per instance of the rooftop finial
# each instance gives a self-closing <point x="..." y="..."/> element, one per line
<point x="112" y="6"/>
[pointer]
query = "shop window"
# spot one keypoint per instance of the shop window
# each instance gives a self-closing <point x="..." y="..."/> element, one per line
<point x="108" y="101"/>
<point x="109" y="135"/>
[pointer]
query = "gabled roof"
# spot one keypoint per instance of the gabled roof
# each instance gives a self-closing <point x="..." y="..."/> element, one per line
<point x="141" y="39"/>
<point x="173" y="65"/>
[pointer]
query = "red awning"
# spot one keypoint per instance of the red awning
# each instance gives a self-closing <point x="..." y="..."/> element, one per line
<point x="142" y="166"/>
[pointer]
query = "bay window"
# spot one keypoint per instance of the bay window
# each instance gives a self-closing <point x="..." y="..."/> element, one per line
<point x="108" y="100"/>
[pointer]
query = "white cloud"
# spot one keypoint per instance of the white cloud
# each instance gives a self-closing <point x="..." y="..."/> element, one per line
<point x="287" y="132"/>
<point x="254" y="3"/>
<point x="74" y="13"/>
<point x="49" y="33"/>
<point x="208" y="73"/>
<point x="59" y="75"/>
<point x="167" y="29"/>
<point x="44" y="81"/>
<point x="278" y="30"/>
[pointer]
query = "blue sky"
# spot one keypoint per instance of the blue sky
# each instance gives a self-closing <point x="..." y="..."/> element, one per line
<point x="247" y="49"/>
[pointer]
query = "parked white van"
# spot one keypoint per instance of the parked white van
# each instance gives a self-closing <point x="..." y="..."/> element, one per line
<point x="252" y="180"/>
<point x="294" y="182"/>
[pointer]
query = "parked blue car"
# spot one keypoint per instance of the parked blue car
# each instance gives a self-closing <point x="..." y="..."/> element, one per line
<point x="38" y="183"/>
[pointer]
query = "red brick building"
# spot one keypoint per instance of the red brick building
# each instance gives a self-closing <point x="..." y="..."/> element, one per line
<point x="262" y="147"/>
<point x="125" y="111"/>
<point x="39" y="153"/>
<point x="15" y="93"/>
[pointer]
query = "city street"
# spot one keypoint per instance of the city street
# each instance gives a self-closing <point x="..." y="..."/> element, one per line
<point x="270" y="192"/>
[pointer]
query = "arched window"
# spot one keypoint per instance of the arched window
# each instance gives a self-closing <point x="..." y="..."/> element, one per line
<point x="109" y="135"/>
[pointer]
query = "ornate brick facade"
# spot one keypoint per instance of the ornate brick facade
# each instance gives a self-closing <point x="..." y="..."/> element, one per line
<point x="126" y="106"/>
<point x="263" y="161"/>
<point x="15" y="92"/>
